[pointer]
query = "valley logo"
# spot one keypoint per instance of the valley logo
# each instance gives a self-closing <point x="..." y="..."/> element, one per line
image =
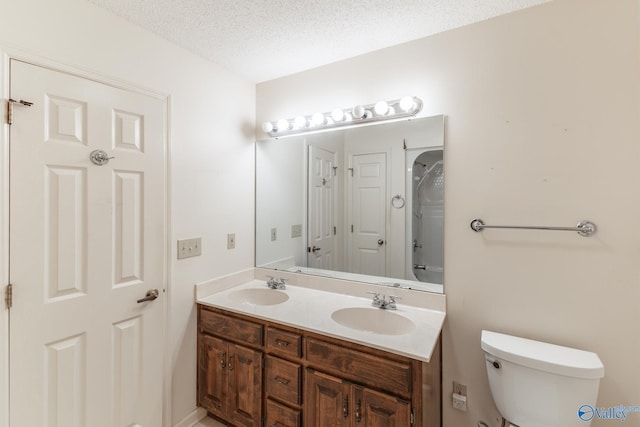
<point x="587" y="412"/>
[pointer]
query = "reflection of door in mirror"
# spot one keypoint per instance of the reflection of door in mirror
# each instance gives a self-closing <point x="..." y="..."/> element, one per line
<point x="367" y="216"/>
<point x="322" y="215"/>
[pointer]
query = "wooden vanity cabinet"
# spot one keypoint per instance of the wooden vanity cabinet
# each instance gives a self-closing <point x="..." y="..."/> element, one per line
<point x="252" y="371"/>
<point x="230" y="374"/>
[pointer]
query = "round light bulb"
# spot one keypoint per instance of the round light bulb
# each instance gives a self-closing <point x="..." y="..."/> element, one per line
<point x="367" y="114"/>
<point x="317" y="119"/>
<point x="300" y="122"/>
<point x="267" y="127"/>
<point x="283" y="125"/>
<point x="407" y="103"/>
<point x="348" y="117"/>
<point x="328" y="121"/>
<point x="381" y="108"/>
<point x="337" y="115"/>
<point x="391" y="111"/>
<point x="358" y="112"/>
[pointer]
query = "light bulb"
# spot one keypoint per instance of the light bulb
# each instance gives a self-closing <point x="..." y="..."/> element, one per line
<point x="337" y="115"/>
<point x="348" y="117"/>
<point x="267" y="127"/>
<point x="328" y="121"/>
<point x="367" y="114"/>
<point x="391" y="111"/>
<point x="381" y="108"/>
<point x="358" y="112"/>
<point x="282" y="125"/>
<point x="407" y="103"/>
<point x="317" y="119"/>
<point x="300" y="122"/>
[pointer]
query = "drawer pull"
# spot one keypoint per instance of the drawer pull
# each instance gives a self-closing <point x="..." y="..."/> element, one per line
<point x="223" y="359"/>
<point x="281" y="380"/>
<point x="282" y="343"/>
<point x="358" y="408"/>
<point x="231" y="363"/>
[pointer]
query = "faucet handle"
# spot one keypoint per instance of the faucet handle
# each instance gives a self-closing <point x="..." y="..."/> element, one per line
<point x="393" y="298"/>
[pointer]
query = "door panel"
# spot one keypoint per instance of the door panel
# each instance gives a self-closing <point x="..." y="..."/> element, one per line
<point x="245" y="386"/>
<point x="374" y="409"/>
<point x="321" y="208"/>
<point x="367" y="243"/>
<point x="86" y="242"/>
<point x="326" y="401"/>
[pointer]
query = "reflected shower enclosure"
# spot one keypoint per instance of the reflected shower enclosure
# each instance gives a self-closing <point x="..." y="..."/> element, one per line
<point x="425" y="215"/>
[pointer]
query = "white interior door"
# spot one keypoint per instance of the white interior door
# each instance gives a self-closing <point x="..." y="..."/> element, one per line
<point x="322" y="240"/>
<point x="86" y="242"/>
<point x="368" y="214"/>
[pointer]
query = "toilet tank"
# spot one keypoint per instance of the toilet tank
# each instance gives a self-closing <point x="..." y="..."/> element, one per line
<point x="536" y="384"/>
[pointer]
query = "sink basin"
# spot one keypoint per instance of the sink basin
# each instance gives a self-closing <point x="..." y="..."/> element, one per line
<point x="374" y="320"/>
<point x="259" y="296"/>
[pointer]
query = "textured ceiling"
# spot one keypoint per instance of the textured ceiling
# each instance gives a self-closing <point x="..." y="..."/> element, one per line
<point x="265" y="39"/>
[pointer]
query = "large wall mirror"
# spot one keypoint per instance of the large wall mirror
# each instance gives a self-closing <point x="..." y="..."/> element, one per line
<point x="363" y="204"/>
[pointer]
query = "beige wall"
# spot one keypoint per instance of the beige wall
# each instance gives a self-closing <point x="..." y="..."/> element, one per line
<point x="211" y="131"/>
<point x="542" y="127"/>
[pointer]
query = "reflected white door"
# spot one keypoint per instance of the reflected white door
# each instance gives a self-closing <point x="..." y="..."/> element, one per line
<point x="322" y="238"/>
<point x="368" y="217"/>
<point x="86" y="242"/>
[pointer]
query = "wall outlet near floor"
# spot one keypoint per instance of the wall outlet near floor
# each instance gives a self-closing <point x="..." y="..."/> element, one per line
<point x="231" y="241"/>
<point x="459" y="402"/>
<point x="189" y="247"/>
<point x="274" y="234"/>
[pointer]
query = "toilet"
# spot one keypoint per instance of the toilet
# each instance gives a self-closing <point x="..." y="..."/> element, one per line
<point x="536" y="384"/>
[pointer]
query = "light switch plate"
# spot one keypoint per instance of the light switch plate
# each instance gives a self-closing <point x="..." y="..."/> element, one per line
<point x="189" y="247"/>
<point x="231" y="241"/>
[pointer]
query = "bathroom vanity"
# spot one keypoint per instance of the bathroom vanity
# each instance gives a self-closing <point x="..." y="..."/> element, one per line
<point x="308" y="357"/>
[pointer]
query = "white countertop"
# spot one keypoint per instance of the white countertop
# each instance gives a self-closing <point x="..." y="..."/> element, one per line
<point x="311" y="310"/>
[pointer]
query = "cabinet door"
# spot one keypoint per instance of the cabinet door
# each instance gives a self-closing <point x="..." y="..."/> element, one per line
<point x="245" y="386"/>
<point x="213" y="375"/>
<point x="281" y="416"/>
<point x="374" y="409"/>
<point x="326" y="401"/>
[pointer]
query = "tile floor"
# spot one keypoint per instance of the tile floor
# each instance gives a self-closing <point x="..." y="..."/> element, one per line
<point x="208" y="422"/>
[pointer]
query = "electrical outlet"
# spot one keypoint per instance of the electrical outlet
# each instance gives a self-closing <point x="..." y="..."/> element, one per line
<point x="189" y="247"/>
<point x="231" y="241"/>
<point x="460" y="389"/>
<point x="296" y="230"/>
<point x="459" y="402"/>
<point x="274" y="234"/>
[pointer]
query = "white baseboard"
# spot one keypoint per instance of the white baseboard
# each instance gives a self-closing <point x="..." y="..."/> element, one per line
<point x="192" y="418"/>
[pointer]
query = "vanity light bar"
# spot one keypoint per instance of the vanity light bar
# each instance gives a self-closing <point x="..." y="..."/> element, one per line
<point x="406" y="106"/>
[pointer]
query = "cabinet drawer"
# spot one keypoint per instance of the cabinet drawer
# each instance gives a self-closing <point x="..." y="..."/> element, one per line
<point x="364" y="368"/>
<point x="281" y="416"/>
<point x="284" y="343"/>
<point x="283" y="380"/>
<point x="230" y="327"/>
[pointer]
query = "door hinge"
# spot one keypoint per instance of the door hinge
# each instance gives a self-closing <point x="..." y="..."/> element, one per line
<point x="404" y="143"/>
<point x="413" y="417"/>
<point x="11" y="103"/>
<point x="335" y="171"/>
<point x="335" y="230"/>
<point x="8" y="295"/>
<point x="352" y="228"/>
<point x="350" y="171"/>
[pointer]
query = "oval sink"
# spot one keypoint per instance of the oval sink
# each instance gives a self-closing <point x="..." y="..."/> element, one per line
<point x="374" y="320"/>
<point x="259" y="296"/>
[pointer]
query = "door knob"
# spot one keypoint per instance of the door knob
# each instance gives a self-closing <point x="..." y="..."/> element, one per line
<point x="150" y="296"/>
<point x="380" y="242"/>
<point x="315" y="249"/>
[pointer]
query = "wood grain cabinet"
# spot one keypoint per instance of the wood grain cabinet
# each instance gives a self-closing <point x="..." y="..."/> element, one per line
<point x="253" y="372"/>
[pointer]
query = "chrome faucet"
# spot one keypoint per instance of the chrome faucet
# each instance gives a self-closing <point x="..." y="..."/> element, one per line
<point x="383" y="303"/>
<point x="275" y="283"/>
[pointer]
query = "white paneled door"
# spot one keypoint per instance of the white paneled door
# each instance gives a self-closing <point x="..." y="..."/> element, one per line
<point x="321" y="239"/>
<point x="368" y="214"/>
<point x="87" y="241"/>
